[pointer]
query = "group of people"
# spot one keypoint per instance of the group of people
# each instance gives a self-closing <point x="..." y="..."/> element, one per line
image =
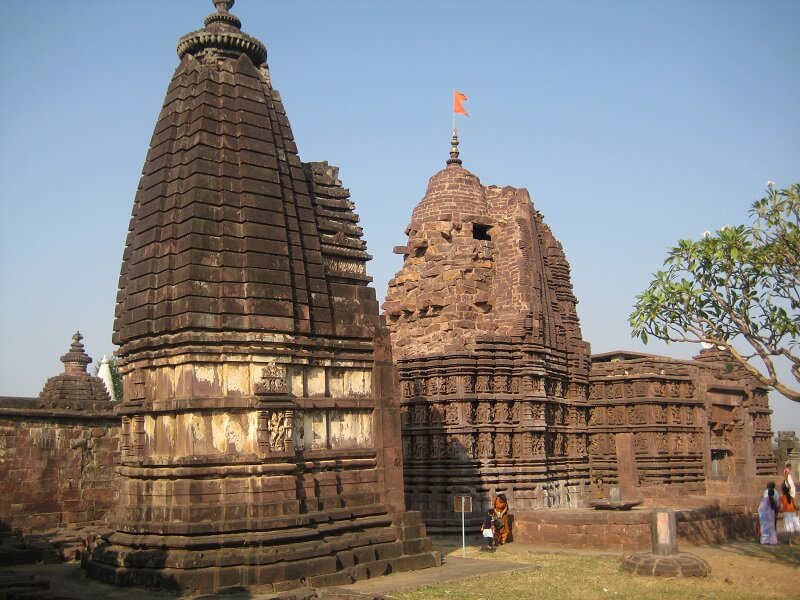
<point x="772" y="503"/>
<point x="495" y="527"/>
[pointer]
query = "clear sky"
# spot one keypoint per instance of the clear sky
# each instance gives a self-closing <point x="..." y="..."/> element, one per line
<point x="632" y="124"/>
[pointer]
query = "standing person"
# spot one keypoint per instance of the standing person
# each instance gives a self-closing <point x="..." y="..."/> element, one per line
<point x="768" y="514"/>
<point x="487" y="530"/>
<point x="791" y="523"/>
<point x="788" y="481"/>
<point x="501" y="510"/>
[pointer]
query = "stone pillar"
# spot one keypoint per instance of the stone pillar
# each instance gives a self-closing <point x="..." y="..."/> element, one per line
<point x="664" y="532"/>
<point x="626" y="464"/>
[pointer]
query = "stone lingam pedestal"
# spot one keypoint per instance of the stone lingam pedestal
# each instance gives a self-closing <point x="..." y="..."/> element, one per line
<point x="614" y="501"/>
<point x="664" y="559"/>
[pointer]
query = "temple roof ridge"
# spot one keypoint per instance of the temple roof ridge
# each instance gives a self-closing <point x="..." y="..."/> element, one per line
<point x="222" y="37"/>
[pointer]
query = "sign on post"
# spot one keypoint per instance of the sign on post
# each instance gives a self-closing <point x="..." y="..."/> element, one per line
<point x="463" y="504"/>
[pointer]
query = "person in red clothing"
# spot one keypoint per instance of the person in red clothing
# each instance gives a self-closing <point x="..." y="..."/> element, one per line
<point x="501" y="509"/>
<point x="791" y="523"/>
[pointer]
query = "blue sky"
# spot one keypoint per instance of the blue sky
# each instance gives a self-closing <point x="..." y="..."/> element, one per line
<point x="632" y="124"/>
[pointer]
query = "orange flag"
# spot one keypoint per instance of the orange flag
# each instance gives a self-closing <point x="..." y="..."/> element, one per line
<point x="458" y="104"/>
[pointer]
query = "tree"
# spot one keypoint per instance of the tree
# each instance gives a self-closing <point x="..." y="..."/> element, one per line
<point x="737" y="289"/>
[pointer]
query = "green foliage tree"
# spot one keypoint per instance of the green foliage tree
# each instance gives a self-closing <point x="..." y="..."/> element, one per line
<point x="737" y="289"/>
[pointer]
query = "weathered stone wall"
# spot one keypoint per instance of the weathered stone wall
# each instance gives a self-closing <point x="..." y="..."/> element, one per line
<point x="662" y="428"/>
<point x="57" y="466"/>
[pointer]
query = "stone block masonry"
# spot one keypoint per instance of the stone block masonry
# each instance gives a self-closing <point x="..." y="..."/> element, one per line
<point x="58" y="452"/>
<point x="57" y="467"/>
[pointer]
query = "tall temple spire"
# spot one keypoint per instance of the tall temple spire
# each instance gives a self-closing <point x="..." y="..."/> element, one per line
<point x="244" y="318"/>
<point x="454" y="159"/>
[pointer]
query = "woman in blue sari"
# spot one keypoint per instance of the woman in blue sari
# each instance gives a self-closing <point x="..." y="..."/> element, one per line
<point x="768" y="515"/>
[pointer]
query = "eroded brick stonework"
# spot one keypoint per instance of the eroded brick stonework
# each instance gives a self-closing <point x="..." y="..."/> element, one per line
<point x="58" y="452"/>
<point x="665" y="427"/>
<point x="260" y="424"/>
<point x="492" y="366"/>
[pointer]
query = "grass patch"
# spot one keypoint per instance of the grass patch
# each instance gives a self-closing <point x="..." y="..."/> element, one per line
<point x="739" y="572"/>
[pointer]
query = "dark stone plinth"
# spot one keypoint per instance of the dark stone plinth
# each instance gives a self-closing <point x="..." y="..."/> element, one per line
<point x="677" y="565"/>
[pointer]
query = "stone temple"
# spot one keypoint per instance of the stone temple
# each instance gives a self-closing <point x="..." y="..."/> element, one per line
<point x="274" y="432"/>
<point x="493" y="369"/>
<point x="501" y="395"/>
<point x="260" y="426"/>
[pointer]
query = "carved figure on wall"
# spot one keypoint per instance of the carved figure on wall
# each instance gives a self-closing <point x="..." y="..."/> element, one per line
<point x="662" y="443"/>
<point x="640" y="389"/>
<point x="537" y="410"/>
<point x="277" y="430"/>
<point x="517" y="446"/>
<point x="596" y="416"/>
<point x="629" y="390"/>
<point x="515" y="385"/>
<point x="470" y="416"/>
<point x="658" y="389"/>
<point x="500" y="384"/>
<point x="501" y="445"/>
<point x="660" y="413"/>
<point x="537" y="444"/>
<point x="640" y="443"/>
<point x="689" y="420"/>
<point x="419" y="414"/>
<point x="675" y="411"/>
<point x="580" y="445"/>
<point x="404" y="417"/>
<point x="420" y="447"/>
<point x="452" y="385"/>
<point x="501" y="412"/>
<point x="466" y="381"/>
<point x="617" y="390"/>
<point x="273" y="380"/>
<point x="435" y="414"/>
<point x="516" y="409"/>
<point x="672" y="389"/>
<point x="408" y="388"/>
<point x="467" y="445"/>
<point x="437" y="446"/>
<point x="485" y="445"/>
<point x="483" y="413"/>
<point x="482" y="384"/>
<point x="451" y="413"/>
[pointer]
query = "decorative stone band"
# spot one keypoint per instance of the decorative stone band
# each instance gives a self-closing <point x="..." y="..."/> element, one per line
<point x="232" y="43"/>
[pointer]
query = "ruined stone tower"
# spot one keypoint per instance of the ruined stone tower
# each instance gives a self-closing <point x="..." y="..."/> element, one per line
<point x="493" y="369"/>
<point x="260" y="426"/>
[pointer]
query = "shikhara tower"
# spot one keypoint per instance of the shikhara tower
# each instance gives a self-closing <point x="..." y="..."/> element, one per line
<point x="493" y="368"/>
<point x="260" y="426"/>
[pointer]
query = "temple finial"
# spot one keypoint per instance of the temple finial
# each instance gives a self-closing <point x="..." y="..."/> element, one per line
<point x="223" y="6"/>
<point x="454" y="159"/>
<point x="76" y="359"/>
